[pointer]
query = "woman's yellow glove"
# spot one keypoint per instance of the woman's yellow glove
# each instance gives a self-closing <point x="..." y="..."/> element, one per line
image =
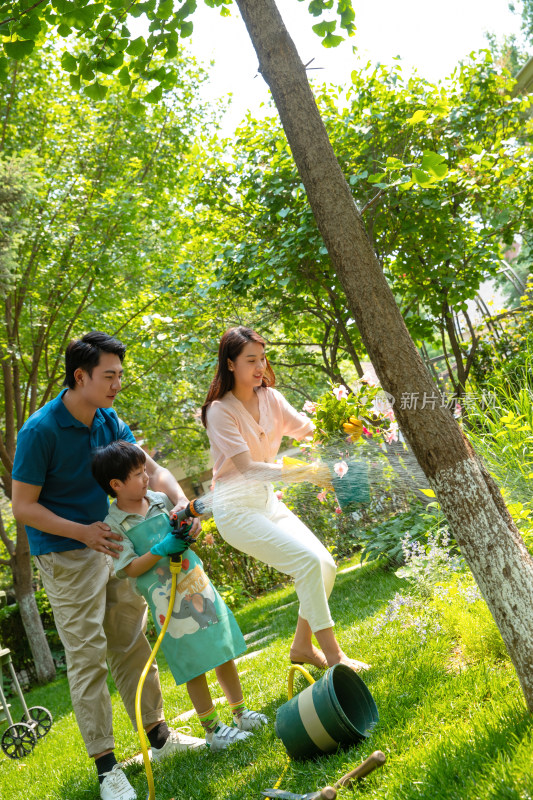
<point x="294" y="470"/>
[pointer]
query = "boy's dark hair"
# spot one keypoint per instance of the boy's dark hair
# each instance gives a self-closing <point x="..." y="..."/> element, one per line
<point x="85" y="353"/>
<point x="116" y="460"/>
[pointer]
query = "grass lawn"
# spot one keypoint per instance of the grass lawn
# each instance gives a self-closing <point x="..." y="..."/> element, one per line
<point x="450" y="732"/>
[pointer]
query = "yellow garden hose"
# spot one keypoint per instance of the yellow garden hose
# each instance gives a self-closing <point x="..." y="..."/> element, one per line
<point x="175" y="569"/>
<point x="290" y="694"/>
<point x="292" y="670"/>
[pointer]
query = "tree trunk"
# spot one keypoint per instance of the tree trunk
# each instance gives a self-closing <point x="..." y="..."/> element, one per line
<point x="468" y="497"/>
<point x="23" y="585"/>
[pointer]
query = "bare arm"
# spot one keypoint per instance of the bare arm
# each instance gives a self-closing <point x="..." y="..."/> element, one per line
<point x="256" y="470"/>
<point x="265" y="471"/>
<point x="28" y="510"/>
<point x="162" y="480"/>
<point x="141" y="565"/>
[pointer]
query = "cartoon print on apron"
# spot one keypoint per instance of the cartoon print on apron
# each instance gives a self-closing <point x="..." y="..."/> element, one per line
<point x="202" y="632"/>
<point x="194" y="606"/>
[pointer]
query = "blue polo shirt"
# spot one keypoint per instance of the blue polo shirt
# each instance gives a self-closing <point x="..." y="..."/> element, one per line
<point x="54" y="451"/>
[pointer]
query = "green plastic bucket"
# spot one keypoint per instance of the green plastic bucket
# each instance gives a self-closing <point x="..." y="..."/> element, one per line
<point x="338" y="709"/>
<point x="353" y="489"/>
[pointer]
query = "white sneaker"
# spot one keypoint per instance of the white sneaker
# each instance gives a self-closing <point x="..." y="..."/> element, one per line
<point x="249" y="720"/>
<point x="116" y="786"/>
<point x="223" y="736"/>
<point x="177" y="742"/>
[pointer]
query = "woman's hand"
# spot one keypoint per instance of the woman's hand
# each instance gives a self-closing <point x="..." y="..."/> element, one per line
<point x="296" y="471"/>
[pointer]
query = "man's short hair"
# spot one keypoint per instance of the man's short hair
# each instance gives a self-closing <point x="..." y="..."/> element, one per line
<point x="85" y="354"/>
<point x="116" y="461"/>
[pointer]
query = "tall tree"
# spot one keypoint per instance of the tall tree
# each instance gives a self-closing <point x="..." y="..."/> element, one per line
<point x="95" y="223"/>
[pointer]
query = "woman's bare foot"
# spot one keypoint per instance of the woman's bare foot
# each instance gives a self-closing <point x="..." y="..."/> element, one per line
<point x="316" y="658"/>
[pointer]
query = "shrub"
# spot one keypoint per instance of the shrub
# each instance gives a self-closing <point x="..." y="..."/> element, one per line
<point x="444" y="597"/>
<point x="384" y="541"/>
<point x="13" y="635"/>
<point x="236" y="575"/>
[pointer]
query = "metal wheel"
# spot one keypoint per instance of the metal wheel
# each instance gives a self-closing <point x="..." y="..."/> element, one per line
<point x="40" y="720"/>
<point x="18" y="740"/>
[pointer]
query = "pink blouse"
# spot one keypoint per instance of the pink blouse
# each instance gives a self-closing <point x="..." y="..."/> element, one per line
<point x="233" y="430"/>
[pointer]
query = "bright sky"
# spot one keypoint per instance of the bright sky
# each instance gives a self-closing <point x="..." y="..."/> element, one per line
<point x="429" y="36"/>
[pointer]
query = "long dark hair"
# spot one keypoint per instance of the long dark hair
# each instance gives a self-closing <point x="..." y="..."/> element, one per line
<point x="231" y="344"/>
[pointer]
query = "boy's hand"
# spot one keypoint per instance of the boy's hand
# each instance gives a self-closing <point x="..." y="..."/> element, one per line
<point x="99" y="536"/>
<point x="196" y="527"/>
<point x="169" y="546"/>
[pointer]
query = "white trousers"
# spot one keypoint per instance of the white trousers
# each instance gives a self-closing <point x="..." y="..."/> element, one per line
<point x="250" y="518"/>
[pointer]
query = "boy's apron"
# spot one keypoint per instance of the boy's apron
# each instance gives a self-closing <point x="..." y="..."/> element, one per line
<point x="202" y="632"/>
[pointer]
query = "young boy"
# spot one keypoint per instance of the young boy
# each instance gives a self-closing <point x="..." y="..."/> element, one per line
<point x="203" y="633"/>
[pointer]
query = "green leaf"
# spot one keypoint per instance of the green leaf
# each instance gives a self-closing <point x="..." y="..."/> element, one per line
<point x="64" y="30"/>
<point x="96" y="91"/>
<point x="165" y="9"/>
<point x="421" y="178"/>
<point x="136" y="47"/>
<point x="68" y="62"/>
<point x="434" y="164"/>
<point x="137" y="107"/>
<point x="324" y="27"/>
<point x="106" y="21"/>
<point x="75" y="82"/>
<point x="186" y="29"/>
<point x="155" y="95"/>
<point x="172" y="48"/>
<point x="124" y="76"/>
<point x="330" y="40"/>
<point x="29" y="27"/>
<point x="109" y="65"/>
<point x="418" y="116"/>
<point x="19" y="49"/>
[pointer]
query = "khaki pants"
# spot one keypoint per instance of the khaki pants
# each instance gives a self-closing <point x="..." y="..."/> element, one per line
<point x="100" y="619"/>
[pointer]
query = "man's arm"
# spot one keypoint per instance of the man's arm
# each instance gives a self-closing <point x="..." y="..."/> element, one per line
<point x="162" y="480"/>
<point x="28" y="510"/>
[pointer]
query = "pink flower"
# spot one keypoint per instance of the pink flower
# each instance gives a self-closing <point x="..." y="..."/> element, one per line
<point x="338" y="510"/>
<point x="321" y="496"/>
<point x="458" y="411"/>
<point x="366" y="431"/>
<point x="340" y="392"/>
<point x="370" y="377"/>
<point x="392" y="434"/>
<point x="340" y="468"/>
<point x="309" y="407"/>
<point x="209" y="539"/>
<point x="279" y="494"/>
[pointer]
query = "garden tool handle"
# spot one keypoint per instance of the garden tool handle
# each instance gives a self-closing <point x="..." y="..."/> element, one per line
<point x="327" y="793"/>
<point x="377" y="759"/>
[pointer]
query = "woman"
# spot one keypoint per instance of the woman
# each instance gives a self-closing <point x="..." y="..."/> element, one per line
<point x="245" y="420"/>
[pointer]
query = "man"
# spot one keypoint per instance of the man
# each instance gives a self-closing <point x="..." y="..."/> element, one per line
<point x="98" y="617"/>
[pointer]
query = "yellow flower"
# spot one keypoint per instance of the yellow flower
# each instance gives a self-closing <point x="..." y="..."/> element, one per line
<point x="354" y="427"/>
